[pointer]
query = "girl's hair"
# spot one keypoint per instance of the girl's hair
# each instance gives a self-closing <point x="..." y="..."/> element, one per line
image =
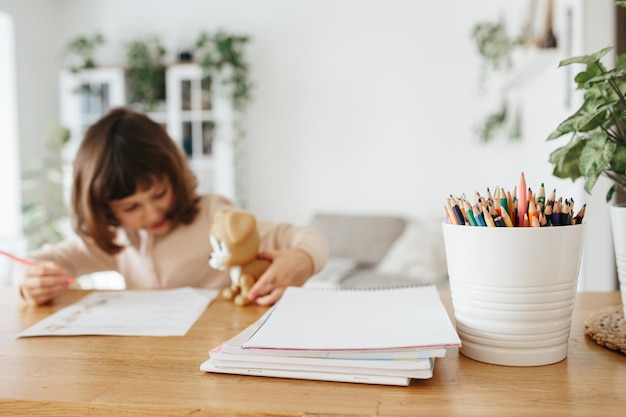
<point x="122" y="153"/>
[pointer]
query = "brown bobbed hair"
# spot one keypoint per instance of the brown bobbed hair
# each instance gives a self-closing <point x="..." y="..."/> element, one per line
<point x="123" y="152"/>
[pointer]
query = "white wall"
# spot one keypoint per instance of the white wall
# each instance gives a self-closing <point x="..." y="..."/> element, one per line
<point x="597" y="270"/>
<point x="361" y="105"/>
<point x="352" y="95"/>
<point x="38" y="61"/>
<point x="10" y="226"/>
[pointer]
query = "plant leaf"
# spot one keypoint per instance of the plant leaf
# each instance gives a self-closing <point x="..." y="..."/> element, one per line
<point x="581" y="78"/>
<point x="586" y="59"/>
<point x="614" y="74"/>
<point x="591" y="182"/>
<point x="557" y="134"/>
<point x="595" y="156"/>
<point x="592" y="119"/>
<point x="565" y="159"/>
<point x="618" y="162"/>
<point x="566" y="126"/>
<point x="609" y="194"/>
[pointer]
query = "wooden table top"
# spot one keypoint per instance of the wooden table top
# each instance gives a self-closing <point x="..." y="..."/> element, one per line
<point x="133" y="376"/>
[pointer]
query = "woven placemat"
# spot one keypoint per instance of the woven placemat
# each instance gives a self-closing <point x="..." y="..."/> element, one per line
<point x="608" y="328"/>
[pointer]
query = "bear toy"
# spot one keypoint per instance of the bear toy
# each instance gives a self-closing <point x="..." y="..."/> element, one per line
<point x="235" y="241"/>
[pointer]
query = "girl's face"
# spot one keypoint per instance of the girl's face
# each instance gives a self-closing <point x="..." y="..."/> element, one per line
<point x="146" y="209"/>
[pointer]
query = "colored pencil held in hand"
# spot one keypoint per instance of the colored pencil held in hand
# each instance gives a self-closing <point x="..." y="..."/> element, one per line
<point x="28" y="262"/>
<point x="520" y="208"/>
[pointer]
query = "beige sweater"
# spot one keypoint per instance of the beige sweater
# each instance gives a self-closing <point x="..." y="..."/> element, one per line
<point x="179" y="258"/>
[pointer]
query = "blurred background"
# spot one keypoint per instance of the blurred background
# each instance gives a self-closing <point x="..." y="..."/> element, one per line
<point x="356" y="106"/>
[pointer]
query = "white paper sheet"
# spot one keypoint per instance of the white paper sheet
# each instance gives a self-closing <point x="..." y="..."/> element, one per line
<point x="127" y="313"/>
<point x="315" y="319"/>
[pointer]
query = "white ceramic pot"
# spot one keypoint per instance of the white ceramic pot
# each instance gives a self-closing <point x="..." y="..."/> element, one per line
<point x="513" y="290"/>
<point x="618" y="226"/>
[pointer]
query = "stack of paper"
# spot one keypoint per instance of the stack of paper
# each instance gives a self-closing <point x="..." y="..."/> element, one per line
<point x="383" y="336"/>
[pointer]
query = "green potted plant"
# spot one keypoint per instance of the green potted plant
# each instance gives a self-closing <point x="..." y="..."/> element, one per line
<point x="597" y="141"/>
<point x="221" y="56"/>
<point x="146" y="71"/>
<point x="597" y="144"/>
<point x="82" y="50"/>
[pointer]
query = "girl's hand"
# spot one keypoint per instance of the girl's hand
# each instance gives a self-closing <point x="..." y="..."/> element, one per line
<point x="44" y="281"/>
<point x="290" y="267"/>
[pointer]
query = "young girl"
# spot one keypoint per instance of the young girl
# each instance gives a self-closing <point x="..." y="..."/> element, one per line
<point x="135" y="211"/>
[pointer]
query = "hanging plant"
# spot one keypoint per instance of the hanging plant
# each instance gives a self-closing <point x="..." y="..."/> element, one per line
<point x="491" y="125"/>
<point x="146" y="71"/>
<point x="494" y="44"/>
<point x="495" y="48"/>
<point x="221" y="56"/>
<point x="82" y="50"/>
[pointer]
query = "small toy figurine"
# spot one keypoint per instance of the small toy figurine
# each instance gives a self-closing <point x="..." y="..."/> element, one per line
<point x="235" y="243"/>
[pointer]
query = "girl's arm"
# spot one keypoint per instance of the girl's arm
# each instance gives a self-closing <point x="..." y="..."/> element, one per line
<point x="296" y="254"/>
<point x="54" y="267"/>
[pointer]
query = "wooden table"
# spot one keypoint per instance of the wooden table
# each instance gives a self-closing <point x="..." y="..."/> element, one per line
<point x="132" y="376"/>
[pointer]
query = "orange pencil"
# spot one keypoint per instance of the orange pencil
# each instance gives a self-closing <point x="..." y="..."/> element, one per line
<point x="497" y="204"/>
<point x="532" y="212"/>
<point x="535" y="222"/>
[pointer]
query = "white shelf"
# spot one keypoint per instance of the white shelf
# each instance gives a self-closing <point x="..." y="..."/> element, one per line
<point x="188" y="114"/>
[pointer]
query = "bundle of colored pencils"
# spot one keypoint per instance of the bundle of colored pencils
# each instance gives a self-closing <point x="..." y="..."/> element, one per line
<point x="521" y="208"/>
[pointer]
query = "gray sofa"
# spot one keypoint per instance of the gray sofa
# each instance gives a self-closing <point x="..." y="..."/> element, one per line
<point x="371" y="251"/>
